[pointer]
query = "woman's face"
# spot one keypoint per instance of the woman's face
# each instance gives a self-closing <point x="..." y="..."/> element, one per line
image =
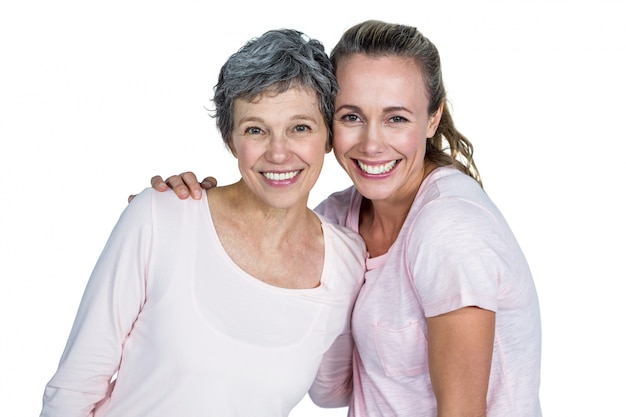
<point x="381" y="124"/>
<point x="280" y="143"/>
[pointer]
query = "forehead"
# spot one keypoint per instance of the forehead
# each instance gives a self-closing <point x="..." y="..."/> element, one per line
<point x="381" y="79"/>
<point x="296" y="99"/>
<point x="378" y="67"/>
<point x="277" y="89"/>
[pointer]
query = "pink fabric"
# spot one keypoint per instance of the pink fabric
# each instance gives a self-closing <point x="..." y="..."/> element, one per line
<point x="188" y="333"/>
<point x="455" y="250"/>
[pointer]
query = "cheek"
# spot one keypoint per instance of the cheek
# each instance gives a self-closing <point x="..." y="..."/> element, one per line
<point x="414" y="147"/>
<point x="318" y="153"/>
<point x="344" y="162"/>
<point x="342" y="141"/>
<point x="246" y="155"/>
<point x="411" y="139"/>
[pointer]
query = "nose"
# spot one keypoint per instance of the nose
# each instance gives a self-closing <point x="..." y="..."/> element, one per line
<point x="278" y="150"/>
<point x="372" y="141"/>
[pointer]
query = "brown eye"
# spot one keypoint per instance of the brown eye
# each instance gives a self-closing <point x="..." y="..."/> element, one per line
<point x="398" y="119"/>
<point x="350" y="118"/>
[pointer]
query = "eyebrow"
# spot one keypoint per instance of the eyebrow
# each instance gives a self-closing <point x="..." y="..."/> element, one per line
<point x="352" y="107"/>
<point x="396" y="108"/>
<point x="303" y="117"/>
<point x="250" y="119"/>
<point x="293" y="118"/>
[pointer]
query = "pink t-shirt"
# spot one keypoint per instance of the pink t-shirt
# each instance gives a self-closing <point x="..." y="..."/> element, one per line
<point x="455" y="250"/>
<point x="188" y="333"/>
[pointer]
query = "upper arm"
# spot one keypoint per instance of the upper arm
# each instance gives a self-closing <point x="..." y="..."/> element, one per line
<point x="460" y="346"/>
<point x="109" y="307"/>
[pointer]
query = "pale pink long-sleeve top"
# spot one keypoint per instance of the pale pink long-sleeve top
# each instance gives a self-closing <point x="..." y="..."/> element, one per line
<point x="170" y="326"/>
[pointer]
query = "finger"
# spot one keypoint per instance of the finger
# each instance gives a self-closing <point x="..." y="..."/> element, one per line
<point x="158" y="183"/>
<point x="176" y="183"/>
<point x="191" y="181"/>
<point x="208" y="183"/>
<point x="130" y="197"/>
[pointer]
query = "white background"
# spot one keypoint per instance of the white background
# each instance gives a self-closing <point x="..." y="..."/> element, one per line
<point x="96" y="97"/>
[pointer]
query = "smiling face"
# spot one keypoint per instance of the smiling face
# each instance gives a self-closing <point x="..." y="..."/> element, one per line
<point x="381" y="125"/>
<point x="280" y="141"/>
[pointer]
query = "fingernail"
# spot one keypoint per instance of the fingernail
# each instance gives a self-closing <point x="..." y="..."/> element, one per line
<point x="197" y="194"/>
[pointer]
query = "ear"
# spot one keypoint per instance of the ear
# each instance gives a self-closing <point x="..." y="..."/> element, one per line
<point x="433" y="121"/>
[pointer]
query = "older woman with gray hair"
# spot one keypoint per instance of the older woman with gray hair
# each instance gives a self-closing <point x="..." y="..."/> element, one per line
<point x="226" y="305"/>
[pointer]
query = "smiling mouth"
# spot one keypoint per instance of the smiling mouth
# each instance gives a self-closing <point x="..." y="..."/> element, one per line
<point x="281" y="176"/>
<point x="377" y="169"/>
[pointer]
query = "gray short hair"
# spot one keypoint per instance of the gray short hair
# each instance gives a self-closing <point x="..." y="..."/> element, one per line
<point x="274" y="62"/>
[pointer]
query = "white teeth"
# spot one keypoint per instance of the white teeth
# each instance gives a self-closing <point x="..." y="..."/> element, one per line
<point x="280" y="176"/>
<point x="377" y="169"/>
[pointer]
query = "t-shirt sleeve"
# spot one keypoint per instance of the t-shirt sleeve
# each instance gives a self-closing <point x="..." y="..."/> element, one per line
<point x="457" y="256"/>
<point x="327" y="208"/>
<point x="336" y="208"/>
<point x="111" y="302"/>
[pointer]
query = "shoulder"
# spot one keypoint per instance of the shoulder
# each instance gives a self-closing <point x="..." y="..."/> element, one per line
<point x="337" y="206"/>
<point x="453" y="213"/>
<point x="449" y="195"/>
<point x="345" y="251"/>
<point x="450" y="183"/>
<point x="165" y="200"/>
<point x="341" y="235"/>
<point x="165" y="211"/>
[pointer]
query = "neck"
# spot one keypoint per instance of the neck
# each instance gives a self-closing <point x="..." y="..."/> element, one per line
<point x="258" y="218"/>
<point x="282" y="247"/>
<point x="380" y="221"/>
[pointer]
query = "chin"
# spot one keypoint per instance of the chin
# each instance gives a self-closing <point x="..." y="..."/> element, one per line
<point x="370" y="192"/>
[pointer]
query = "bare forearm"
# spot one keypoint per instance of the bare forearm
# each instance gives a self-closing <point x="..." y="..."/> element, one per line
<point x="460" y="348"/>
